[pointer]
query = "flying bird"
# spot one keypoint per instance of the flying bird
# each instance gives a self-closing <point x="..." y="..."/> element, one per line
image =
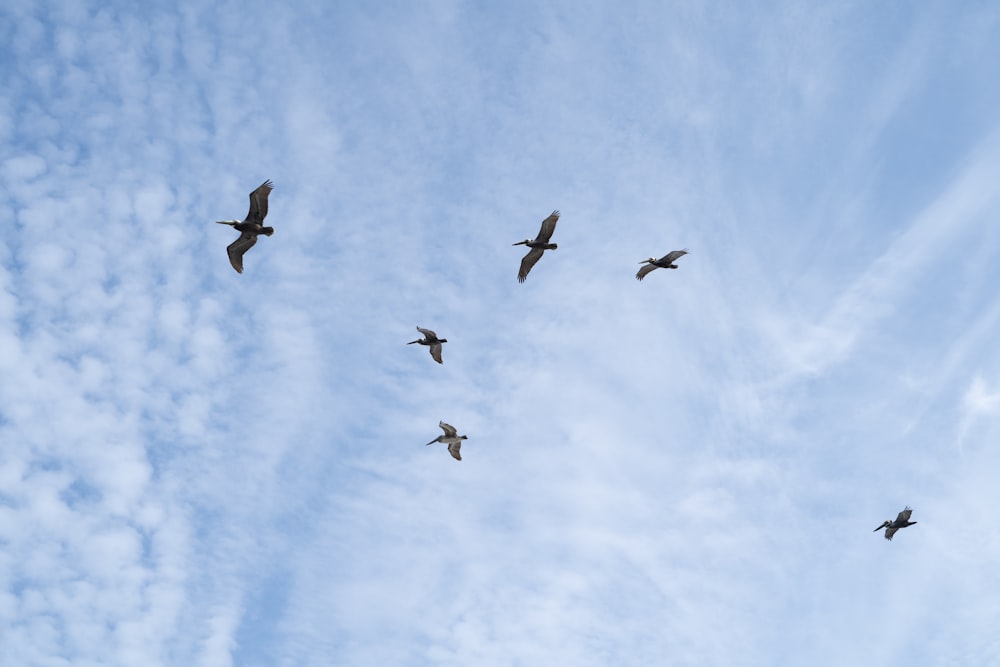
<point x="251" y="227"/>
<point x="665" y="262"/>
<point x="538" y="246"/>
<point x="431" y="340"/>
<point x="452" y="439"/>
<point x="902" y="521"/>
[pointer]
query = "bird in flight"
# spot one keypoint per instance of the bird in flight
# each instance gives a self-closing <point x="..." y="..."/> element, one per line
<point x="902" y="521"/>
<point x="538" y="246"/>
<point x="431" y="340"/>
<point x="251" y="227"/>
<point x="452" y="439"/>
<point x="665" y="262"/>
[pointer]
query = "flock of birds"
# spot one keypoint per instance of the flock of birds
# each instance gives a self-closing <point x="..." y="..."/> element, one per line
<point x="253" y="226"/>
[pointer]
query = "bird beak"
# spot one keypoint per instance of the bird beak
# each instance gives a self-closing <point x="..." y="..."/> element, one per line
<point x="881" y="527"/>
<point x="225" y="222"/>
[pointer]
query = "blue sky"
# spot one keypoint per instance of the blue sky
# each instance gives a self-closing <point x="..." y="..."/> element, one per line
<point x="205" y="468"/>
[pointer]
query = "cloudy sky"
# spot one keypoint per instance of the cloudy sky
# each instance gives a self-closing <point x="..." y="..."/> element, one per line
<point x="204" y="468"/>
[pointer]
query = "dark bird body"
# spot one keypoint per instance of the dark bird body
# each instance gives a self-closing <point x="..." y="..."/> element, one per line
<point x="251" y="227"/>
<point x="665" y="262"/>
<point x="431" y="340"/>
<point x="452" y="439"/>
<point x="902" y="521"/>
<point x="538" y="246"/>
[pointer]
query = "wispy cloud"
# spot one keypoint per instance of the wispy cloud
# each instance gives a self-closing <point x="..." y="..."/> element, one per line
<point x="206" y="468"/>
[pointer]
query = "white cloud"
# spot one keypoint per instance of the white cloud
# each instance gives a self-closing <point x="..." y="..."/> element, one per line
<point x="200" y="467"/>
<point x="978" y="400"/>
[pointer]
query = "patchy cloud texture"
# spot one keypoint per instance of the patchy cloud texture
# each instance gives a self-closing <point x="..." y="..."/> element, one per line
<point x="203" y="468"/>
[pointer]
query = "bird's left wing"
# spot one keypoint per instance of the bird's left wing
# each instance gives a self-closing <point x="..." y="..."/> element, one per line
<point x="672" y="256"/>
<point x="529" y="261"/>
<point x="889" y="532"/>
<point x="548" y="227"/>
<point x="436" y="352"/>
<point x="258" y="202"/>
<point x="455" y="449"/>
<point x="238" y="247"/>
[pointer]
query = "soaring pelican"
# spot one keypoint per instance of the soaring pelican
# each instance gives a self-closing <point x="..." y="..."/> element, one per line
<point x="902" y="521"/>
<point x="251" y="227"/>
<point x="665" y="262"/>
<point x="452" y="439"/>
<point x="538" y="246"/>
<point x="431" y="340"/>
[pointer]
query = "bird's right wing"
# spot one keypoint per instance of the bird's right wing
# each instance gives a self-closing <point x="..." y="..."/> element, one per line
<point x="529" y="261"/>
<point x="238" y="247"/>
<point x="644" y="271"/>
<point x="258" y="202"/>
<point x="548" y="227"/>
<point x="436" y="352"/>
<point x="904" y="516"/>
<point x="448" y="429"/>
<point x="427" y="333"/>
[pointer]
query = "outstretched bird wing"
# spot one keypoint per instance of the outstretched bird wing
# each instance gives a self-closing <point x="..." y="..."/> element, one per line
<point x="448" y="429"/>
<point x="904" y="516"/>
<point x="258" y="202"/>
<point x="427" y="333"/>
<point x="890" y="531"/>
<point x="238" y="247"/>
<point x="645" y="270"/>
<point x="529" y="261"/>
<point x="548" y="226"/>
<point x="455" y="449"/>
<point x="672" y="256"/>
<point x="436" y="352"/>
